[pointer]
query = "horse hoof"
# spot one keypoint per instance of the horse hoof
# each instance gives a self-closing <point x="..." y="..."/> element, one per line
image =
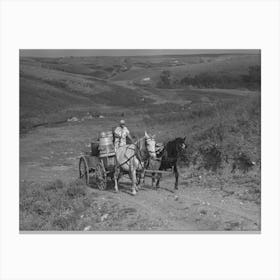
<point x="134" y="192"/>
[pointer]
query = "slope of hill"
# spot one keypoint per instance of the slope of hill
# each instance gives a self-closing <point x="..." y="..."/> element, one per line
<point x="54" y="89"/>
<point x="182" y="66"/>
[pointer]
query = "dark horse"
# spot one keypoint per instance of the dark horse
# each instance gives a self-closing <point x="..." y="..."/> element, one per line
<point x="167" y="158"/>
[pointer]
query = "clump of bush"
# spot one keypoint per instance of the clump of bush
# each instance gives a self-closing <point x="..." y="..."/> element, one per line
<point x="232" y="137"/>
<point x="54" y="206"/>
<point x="251" y="80"/>
<point x="74" y="191"/>
<point x="58" y="206"/>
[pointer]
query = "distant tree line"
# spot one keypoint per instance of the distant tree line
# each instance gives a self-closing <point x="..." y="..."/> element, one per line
<point x="252" y="80"/>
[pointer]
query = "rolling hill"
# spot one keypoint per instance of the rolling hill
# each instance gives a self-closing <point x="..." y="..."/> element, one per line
<point x="54" y="89"/>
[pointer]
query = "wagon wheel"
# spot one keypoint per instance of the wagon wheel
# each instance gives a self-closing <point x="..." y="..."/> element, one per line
<point x="100" y="176"/>
<point x="84" y="170"/>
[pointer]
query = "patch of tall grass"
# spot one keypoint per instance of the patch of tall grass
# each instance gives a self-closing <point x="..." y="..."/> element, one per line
<point x="54" y="206"/>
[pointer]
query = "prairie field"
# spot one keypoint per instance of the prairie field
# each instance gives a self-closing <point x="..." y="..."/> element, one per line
<point x="213" y="100"/>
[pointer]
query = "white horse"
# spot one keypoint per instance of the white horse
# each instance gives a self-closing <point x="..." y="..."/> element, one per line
<point x="132" y="158"/>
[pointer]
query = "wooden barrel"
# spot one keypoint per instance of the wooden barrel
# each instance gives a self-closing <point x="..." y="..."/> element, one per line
<point x="106" y="145"/>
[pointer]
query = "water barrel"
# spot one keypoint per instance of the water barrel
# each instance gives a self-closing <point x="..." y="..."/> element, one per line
<point x="106" y="145"/>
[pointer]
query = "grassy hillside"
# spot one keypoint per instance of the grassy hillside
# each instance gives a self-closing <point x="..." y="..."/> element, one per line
<point x="217" y="137"/>
<point x="55" y="89"/>
<point x="48" y="95"/>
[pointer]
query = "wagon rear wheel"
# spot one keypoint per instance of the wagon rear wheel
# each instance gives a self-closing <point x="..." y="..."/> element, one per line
<point x="100" y="176"/>
<point x="84" y="170"/>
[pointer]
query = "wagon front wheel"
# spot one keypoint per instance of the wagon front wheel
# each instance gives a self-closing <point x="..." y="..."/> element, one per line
<point x="101" y="177"/>
<point x="84" y="170"/>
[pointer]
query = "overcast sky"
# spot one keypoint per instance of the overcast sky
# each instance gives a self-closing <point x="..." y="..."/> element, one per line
<point x="123" y="52"/>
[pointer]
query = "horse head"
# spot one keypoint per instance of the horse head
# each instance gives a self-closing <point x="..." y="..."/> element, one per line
<point x="150" y="144"/>
<point x="180" y="144"/>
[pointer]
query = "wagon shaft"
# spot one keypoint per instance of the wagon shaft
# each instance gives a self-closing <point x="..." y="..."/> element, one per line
<point x="158" y="171"/>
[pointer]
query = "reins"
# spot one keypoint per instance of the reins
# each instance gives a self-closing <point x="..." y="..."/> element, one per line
<point x="125" y="161"/>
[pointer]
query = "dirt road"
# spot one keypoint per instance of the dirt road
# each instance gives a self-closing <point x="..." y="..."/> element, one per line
<point x="201" y="203"/>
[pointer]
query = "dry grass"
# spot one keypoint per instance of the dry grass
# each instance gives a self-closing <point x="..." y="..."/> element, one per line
<point x="57" y="206"/>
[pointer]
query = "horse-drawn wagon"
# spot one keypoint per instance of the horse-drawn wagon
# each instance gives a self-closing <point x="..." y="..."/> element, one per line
<point x="102" y="163"/>
<point x="98" y="165"/>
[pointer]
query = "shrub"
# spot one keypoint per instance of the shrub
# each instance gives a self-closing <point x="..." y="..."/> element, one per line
<point x="56" y="185"/>
<point x="41" y="208"/>
<point x="74" y="191"/>
<point x="62" y="222"/>
<point x="252" y="80"/>
<point x="233" y="130"/>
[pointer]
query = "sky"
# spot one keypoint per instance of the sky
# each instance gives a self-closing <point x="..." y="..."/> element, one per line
<point x="125" y="52"/>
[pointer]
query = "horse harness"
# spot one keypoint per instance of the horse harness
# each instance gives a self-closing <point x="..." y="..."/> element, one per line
<point x="137" y="154"/>
<point x="161" y="152"/>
